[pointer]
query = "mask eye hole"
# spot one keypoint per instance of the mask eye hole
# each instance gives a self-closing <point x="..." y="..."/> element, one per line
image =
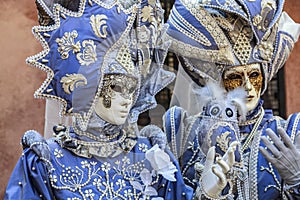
<point x="229" y="112"/>
<point x="254" y="75"/>
<point x="234" y="76"/>
<point x="116" y="88"/>
<point x="215" y="110"/>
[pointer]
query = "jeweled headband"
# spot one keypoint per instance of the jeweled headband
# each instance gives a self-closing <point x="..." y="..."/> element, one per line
<point x="102" y="37"/>
<point x="210" y="35"/>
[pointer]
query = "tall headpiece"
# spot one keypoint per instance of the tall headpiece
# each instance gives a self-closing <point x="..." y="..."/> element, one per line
<point x="210" y="35"/>
<point x="102" y="37"/>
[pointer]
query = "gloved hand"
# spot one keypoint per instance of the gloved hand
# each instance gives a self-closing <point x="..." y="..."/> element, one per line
<point x="156" y="135"/>
<point x="284" y="155"/>
<point x="213" y="179"/>
<point x="33" y="140"/>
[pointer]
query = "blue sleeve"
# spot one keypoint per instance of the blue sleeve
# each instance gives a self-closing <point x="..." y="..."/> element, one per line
<point x="29" y="179"/>
<point x="172" y="120"/>
<point x="178" y="189"/>
<point x="172" y="123"/>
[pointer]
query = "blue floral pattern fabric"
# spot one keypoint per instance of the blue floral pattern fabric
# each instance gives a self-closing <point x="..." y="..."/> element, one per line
<point x="128" y="176"/>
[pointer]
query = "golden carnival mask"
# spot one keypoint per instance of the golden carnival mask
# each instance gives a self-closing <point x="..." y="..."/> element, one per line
<point x="247" y="76"/>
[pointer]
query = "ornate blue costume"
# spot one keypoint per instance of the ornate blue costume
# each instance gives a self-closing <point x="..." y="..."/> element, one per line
<point x="253" y="39"/>
<point x="260" y="179"/>
<point x="74" y="177"/>
<point x="103" y="61"/>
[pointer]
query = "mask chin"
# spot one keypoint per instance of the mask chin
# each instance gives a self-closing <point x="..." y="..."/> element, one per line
<point x="252" y="104"/>
<point x="112" y="118"/>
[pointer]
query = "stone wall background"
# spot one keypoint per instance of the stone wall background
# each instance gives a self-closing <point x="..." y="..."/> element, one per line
<point x="20" y="112"/>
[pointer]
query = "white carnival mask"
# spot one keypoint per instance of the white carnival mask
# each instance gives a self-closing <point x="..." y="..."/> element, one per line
<point x="116" y="98"/>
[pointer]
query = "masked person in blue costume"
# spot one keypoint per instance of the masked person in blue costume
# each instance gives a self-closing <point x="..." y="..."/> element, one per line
<point x="236" y="43"/>
<point x="104" y="63"/>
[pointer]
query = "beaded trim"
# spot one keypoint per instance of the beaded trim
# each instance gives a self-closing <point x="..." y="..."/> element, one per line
<point x="253" y="131"/>
<point x="83" y="120"/>
<point x="186" y="134"/>
<point x="191" y="31"/>
<point x="205" y="18"/>
<point x="279" y="57"/>
<point x="100" y="138"/>
<point x="253" y="165"/>
<point x="295" y="126"/>
<point x="40" y="32"/>
<point x="99" y="144"/>
<point x="107" y="148"/>
<point x="45" y="7"/>
<point x="173" y="142"/>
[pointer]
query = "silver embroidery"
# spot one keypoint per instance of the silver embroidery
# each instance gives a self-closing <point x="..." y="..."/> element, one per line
<point x="99" y="26"/>
<point x="67" y="44"/>
<point x="107" y="180"/>
<point x="71" y="81"/>
<point x="89" y="55"/>
<point x="271" y="171"/>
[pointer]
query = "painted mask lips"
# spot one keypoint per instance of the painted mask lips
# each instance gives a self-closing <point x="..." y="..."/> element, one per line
<point x="124" y="113"/>
<point x="249" y="98"/>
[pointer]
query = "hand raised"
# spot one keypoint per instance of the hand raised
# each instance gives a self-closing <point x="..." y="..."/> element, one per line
<point x="283" y="155"/>
<point x="214" y="179"/>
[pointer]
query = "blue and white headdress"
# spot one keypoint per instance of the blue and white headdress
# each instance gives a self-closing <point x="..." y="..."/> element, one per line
<point x="210" y="35"/>
<point x="102" y="37"/>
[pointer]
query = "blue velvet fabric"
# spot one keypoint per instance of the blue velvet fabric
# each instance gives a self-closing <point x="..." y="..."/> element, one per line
<point x="265" y="180"/>
<point x="75" y="177"/>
